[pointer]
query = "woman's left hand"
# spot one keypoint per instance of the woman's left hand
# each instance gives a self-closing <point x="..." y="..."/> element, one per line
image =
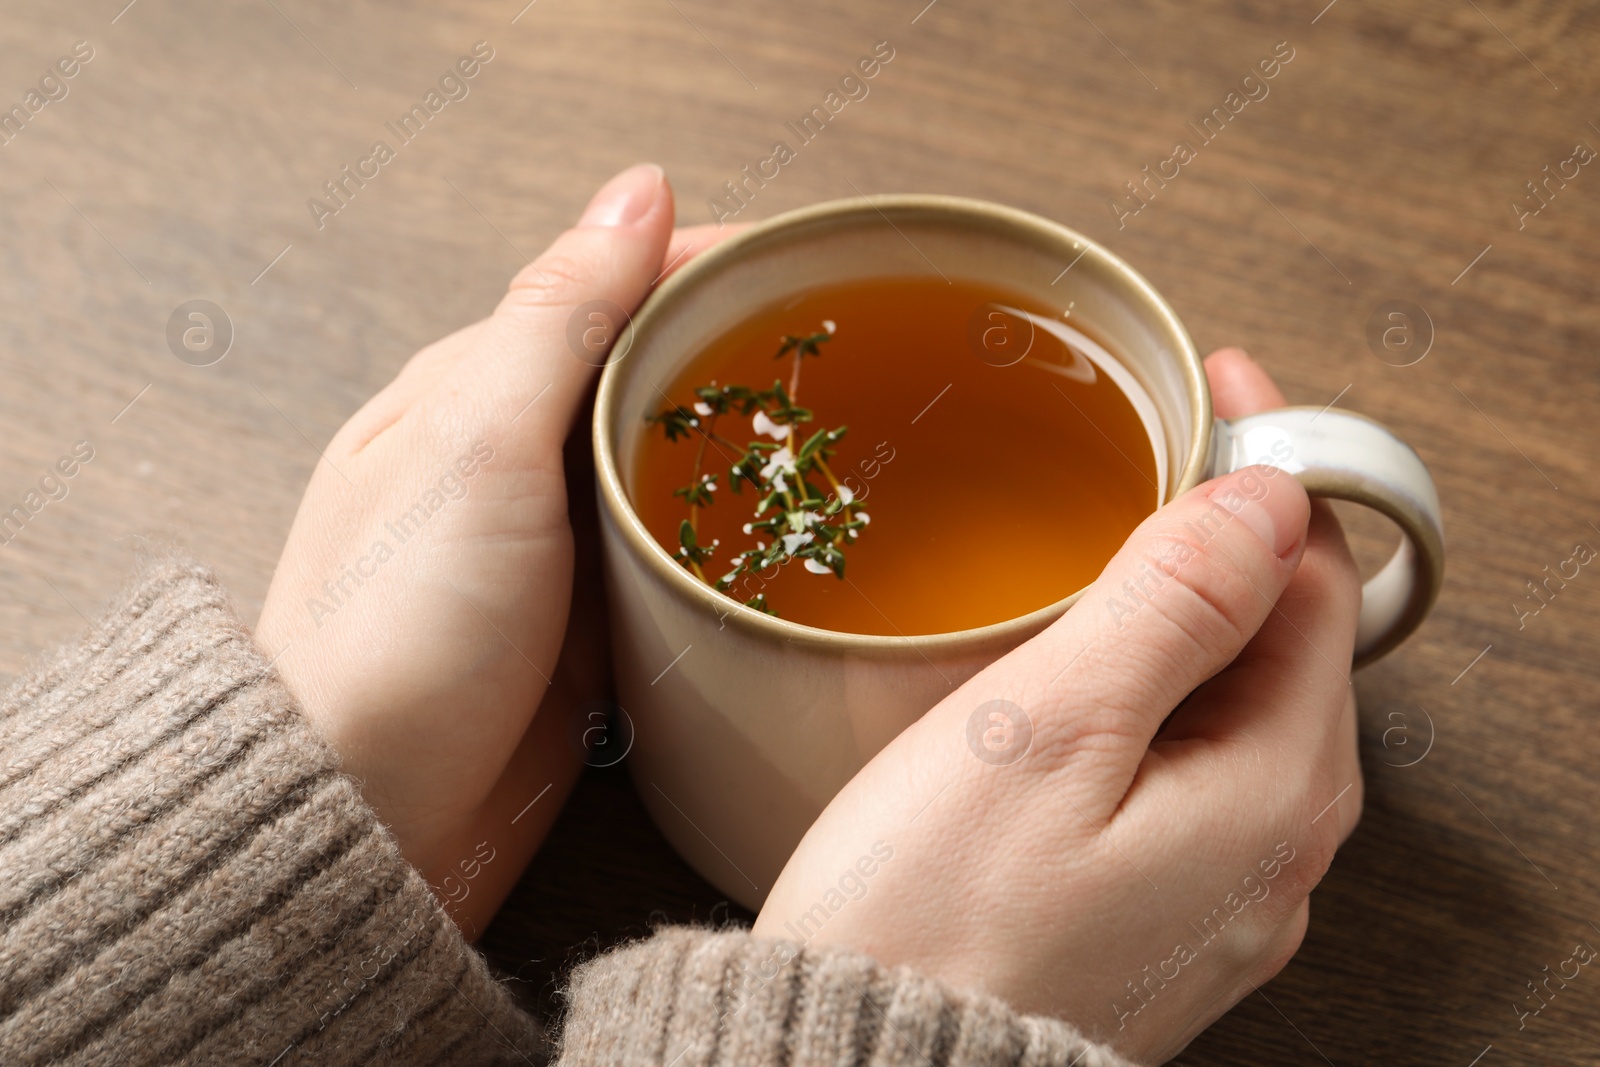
<point x="425" y="607"/>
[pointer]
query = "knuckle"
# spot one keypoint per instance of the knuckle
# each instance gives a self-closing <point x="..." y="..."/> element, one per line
<point x="1070" y="728"/>
<point x="1071" y="735"/>
<point x="1311" y="809"/>
<point x="1345" y="816"/>
<point x="1211" y="602"/>
<point x="1283" y="944"/>
<point x="1357" y="808"/>
<point x="1313" y="855"/>
<point x="554" y="279"/>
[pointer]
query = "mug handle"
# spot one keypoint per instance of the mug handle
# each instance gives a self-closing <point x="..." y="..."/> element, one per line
<point x="1337" y="453"/>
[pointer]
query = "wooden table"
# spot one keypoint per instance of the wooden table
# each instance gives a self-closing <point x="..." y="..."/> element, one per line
<point x="1382" y="166"/>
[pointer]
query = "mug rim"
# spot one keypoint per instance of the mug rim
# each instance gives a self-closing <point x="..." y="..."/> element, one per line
<point x="981" y="215"/>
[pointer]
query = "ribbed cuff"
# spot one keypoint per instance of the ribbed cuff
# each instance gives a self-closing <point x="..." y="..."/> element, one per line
<point x="186" y="876"/>
<point x="693" y="997"/>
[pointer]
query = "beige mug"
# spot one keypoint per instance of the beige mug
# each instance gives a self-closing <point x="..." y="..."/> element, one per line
<point x="746" y="725"/>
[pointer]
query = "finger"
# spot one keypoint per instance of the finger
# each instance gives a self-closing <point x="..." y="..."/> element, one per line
<point x="1305" y="645"/>
<point x="1304" y="648"/>
<point x="1189" y="588"/>
<point x="1288" y="697"/>
<point x="424" y="371"/>
<point x="1239" y="386"/>
<point x="690" y="241"/>
<point x="1285" y="705"/>
<point x="523" y="367"/>
<point x="1290" y="687"/>
<point x="1320" y="602"/>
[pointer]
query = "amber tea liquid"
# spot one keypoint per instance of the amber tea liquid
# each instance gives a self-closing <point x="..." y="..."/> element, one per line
<point x="1000" y="467"/>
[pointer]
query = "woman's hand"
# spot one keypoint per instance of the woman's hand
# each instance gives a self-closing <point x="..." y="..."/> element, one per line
<point x="420" y="612"/>
<point x="1119" y="823"/>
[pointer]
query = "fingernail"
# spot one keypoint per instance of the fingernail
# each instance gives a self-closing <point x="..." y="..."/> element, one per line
<point x="626" y="197"/>
<point x="1230" y="352"/>
<point x="1262" y="499"/>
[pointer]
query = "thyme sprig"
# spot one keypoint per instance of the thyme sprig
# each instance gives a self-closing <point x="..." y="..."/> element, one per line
<point x="793" y="517"/>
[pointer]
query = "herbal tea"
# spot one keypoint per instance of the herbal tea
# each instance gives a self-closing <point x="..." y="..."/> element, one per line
<point x="898" y="456"/>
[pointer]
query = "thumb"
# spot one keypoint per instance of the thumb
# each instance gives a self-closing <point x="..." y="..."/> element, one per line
<point x="1175" y="605"/>
<point x="538" y="353"/>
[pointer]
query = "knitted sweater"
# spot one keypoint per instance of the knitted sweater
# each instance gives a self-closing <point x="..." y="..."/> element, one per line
<point x="186" y="877"/>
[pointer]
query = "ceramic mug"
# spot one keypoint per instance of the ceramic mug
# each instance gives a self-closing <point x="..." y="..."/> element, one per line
<point x="746" y="725"/>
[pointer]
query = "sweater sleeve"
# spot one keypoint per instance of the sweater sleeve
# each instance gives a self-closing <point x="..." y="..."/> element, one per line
<point x="186" y="877"/>
<point x="690" y="998"/>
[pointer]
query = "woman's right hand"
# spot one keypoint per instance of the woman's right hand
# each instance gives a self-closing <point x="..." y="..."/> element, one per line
<point x="1128" y="842"/>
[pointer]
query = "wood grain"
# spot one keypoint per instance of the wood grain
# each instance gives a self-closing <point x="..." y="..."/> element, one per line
<point x="1383" y="161"/>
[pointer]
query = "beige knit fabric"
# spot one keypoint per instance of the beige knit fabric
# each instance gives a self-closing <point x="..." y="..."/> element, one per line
<point x="186" y="878"/>
<point x="693" y="998"/>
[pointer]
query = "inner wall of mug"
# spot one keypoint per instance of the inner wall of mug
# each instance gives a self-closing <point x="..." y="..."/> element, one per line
<point x="1040" y="260"/>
